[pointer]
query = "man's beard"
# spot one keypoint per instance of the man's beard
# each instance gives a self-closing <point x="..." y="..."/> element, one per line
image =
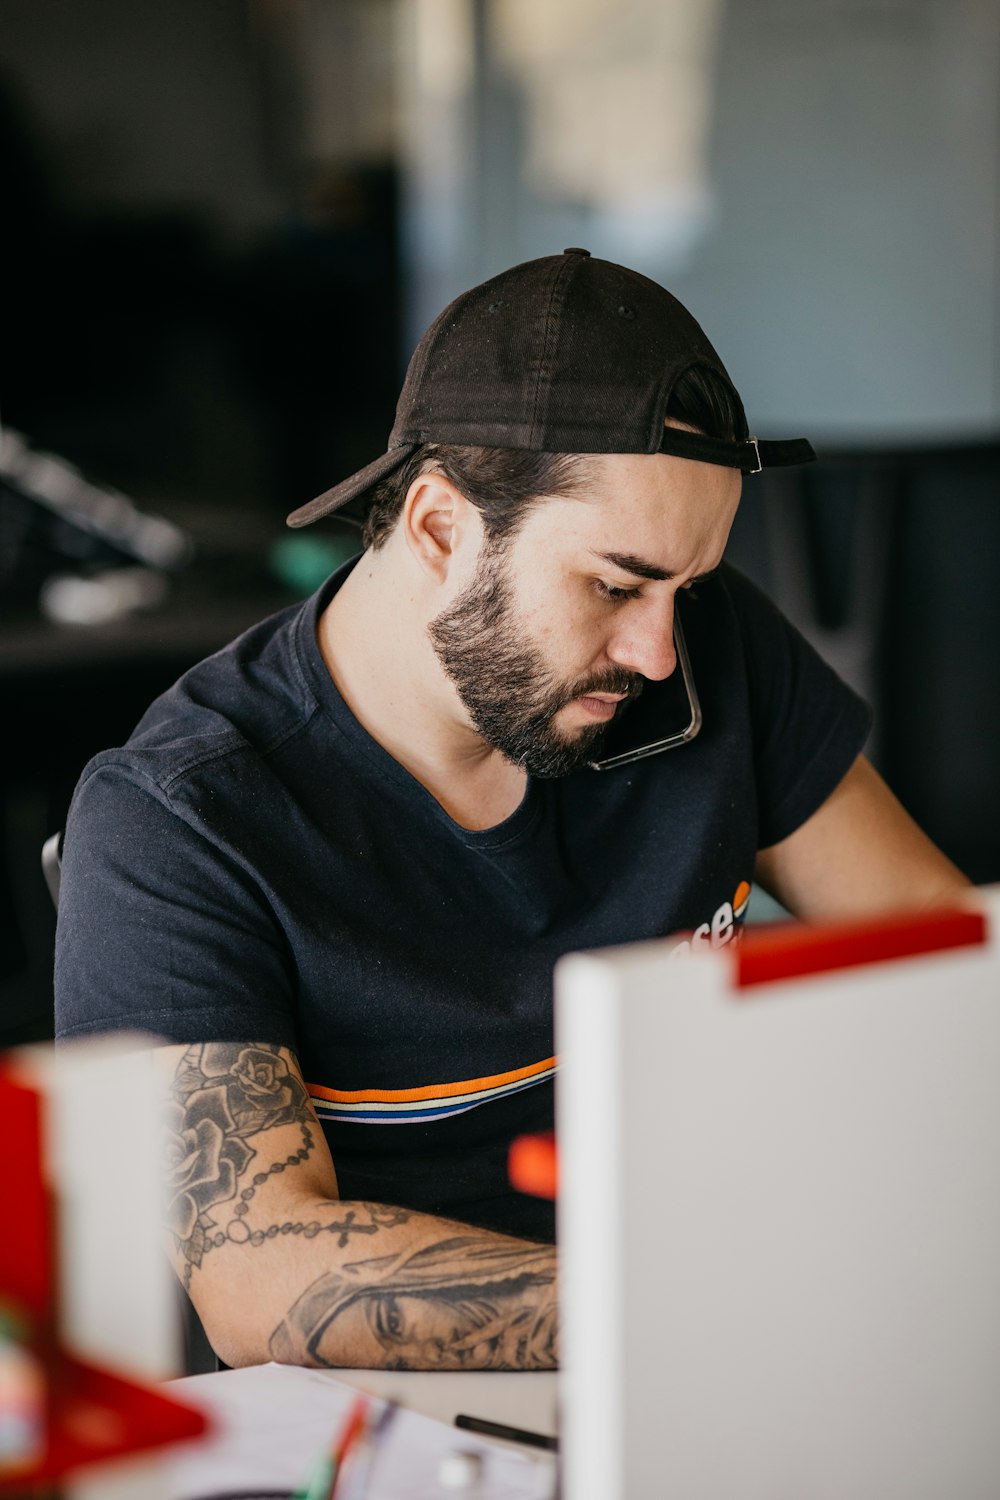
<point x="509" y="694"/>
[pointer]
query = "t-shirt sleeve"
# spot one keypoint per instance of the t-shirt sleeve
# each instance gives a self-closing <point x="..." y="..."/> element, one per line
<point x="159" y="930"/>
<point x="808" y="726"/>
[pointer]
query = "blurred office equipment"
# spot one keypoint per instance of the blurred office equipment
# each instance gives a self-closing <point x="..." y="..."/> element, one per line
<point x="90" y="1318"/>
<point x="790" y="1285"/>
<point x="55" y="522"/>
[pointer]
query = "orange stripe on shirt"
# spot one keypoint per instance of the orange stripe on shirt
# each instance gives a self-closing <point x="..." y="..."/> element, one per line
<point x="431" y="1091"/>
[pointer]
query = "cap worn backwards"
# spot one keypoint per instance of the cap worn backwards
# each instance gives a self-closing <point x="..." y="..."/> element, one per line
<point x="566" y="354"/>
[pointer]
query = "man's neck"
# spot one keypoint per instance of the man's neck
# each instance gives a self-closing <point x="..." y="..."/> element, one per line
<point x="373" y="639"/>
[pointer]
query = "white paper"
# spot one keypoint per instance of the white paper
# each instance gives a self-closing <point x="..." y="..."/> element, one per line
<point x="276" y="1421"/>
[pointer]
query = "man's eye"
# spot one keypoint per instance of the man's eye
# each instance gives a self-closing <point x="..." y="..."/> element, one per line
<point x="613" y="592"/>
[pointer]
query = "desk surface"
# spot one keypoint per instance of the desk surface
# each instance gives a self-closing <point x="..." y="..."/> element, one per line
<point x="520" y="1399"/>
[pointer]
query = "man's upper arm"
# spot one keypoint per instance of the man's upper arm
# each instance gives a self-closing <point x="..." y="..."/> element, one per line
<point x="242" y="1137"/>
<point x="859" y="852"/>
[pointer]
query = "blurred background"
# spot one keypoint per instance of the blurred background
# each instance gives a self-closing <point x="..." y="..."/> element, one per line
<point x="226" y="222"/>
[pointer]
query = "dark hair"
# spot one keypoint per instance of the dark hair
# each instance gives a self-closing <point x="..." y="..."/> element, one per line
<point x="703" y="400"/>
<point x="503" y="483"/>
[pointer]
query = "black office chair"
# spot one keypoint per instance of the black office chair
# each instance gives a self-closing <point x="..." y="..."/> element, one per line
<point x="52" y="865"/>
<point x="198" y="1355"/>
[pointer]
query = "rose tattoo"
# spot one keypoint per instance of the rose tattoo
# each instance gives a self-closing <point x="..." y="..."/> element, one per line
<point x="223" y="1094"/>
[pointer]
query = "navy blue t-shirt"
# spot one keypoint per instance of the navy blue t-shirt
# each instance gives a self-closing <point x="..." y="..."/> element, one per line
<point x="252" y="866"/>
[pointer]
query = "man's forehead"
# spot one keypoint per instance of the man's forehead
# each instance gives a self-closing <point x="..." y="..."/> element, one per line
<point x="626" y="489"/>
<point x="651" y="516"/>
<point x="606" y="475"/>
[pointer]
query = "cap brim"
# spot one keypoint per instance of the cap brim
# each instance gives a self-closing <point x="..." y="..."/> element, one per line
<point x="351" y="489"/>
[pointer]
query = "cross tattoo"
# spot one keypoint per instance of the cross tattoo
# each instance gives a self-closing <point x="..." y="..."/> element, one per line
<point x="349" y="1227"/>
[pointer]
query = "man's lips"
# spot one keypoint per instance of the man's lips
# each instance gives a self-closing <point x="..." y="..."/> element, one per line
<point x="600" y="705"/>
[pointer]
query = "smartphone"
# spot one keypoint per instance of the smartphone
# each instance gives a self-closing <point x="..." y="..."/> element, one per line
<point x="666" y="714"/>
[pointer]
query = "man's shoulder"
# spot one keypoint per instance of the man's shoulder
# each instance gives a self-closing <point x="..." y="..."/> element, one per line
<point x="245" y="700"/>
<point x="722" y="615"/>
<point x="736" y="605"/>
<point x="743" y="594"/>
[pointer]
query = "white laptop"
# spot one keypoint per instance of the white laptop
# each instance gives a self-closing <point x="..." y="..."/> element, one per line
<point x="780" y="1216"/>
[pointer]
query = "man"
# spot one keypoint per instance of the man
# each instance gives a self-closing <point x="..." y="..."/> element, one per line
<point x="335" y="864"/>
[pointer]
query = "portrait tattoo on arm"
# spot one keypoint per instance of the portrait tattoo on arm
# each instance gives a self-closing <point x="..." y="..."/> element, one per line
<point x="223" y="1094"/>
<point x="465" y="1302"/>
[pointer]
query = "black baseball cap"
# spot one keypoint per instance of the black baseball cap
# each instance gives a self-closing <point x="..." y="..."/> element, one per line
<point x="566" y="354"/>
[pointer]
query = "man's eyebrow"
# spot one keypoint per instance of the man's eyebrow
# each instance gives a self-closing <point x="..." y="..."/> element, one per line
<point x="630" y="563"/>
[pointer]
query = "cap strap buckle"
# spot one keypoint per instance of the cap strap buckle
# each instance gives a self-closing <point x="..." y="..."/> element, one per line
<point x="750" y="454"/>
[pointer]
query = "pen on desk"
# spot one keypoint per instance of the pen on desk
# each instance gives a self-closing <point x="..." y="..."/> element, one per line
<point x="322" y="1481"/>
<point x="512" y="1434"/>
<point x="356" y="1477"/>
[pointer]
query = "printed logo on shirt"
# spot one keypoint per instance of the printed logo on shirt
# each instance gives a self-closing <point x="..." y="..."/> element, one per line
<point x="725" y="925"/>
<point x="434" y="1102"/>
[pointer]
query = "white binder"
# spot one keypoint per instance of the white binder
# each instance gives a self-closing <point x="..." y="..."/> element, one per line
<point x="780" y="1215"/>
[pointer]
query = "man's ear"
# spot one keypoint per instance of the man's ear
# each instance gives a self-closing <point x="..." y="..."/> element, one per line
<point x="437" y="519"/>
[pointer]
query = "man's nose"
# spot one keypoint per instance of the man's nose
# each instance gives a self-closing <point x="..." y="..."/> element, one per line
<point x="644" y="643"/>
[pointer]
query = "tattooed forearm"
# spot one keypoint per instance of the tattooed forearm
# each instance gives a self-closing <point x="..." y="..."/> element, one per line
<point x="289" y="1270"/>
<point x="222" y="1095"/>
<point x="463" y="1302"/>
